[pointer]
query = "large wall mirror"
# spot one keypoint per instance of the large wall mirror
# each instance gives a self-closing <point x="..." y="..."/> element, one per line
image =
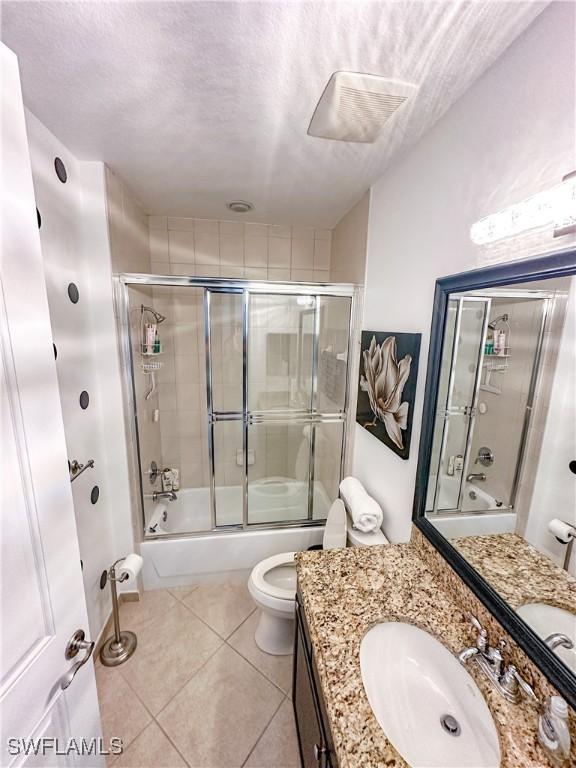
<point x="496" y="488"/>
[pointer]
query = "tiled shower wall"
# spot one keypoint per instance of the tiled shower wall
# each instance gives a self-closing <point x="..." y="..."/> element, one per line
<point x="212" y="248"/>
<point x="173" y="422"/>
<point x="274" y="451"/>
<point x="127" y="228"/>
<point x="182" y="384"/>
<point x="216" y="248"/>
<point x="499" y="423"/>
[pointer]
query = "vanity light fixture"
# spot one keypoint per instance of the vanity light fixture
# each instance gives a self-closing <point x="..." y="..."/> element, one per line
<point x="554" y="208"/>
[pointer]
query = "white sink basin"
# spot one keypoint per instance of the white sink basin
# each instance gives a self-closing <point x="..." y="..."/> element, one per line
<point x="413" y="682"/>
<point x="545" y="620"/>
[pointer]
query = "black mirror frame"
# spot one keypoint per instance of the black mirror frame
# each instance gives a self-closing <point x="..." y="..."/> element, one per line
<point x="560" y="264"/>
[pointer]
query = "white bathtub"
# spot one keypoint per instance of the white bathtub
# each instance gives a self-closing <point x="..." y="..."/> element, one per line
<point x="481" y="515"/>
<point x="474" y="524"/>
<point x="474" y="497"/>
<point x="228" y="555"/>
<point x="272" y="500"/>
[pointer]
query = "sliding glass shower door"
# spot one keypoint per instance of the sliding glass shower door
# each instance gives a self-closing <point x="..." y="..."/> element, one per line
<point x="280" y="366"/>
<point x="242" y="409"/>
<point x="225" y="394"/>
<point x="457" y="397"/>
<point x="277" y="370"/>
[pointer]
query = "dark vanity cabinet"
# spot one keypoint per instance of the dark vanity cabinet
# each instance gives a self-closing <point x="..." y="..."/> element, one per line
<point x="314" y="739"/>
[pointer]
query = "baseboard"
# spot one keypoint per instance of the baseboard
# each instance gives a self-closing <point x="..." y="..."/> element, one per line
<point x="129" y="597"/>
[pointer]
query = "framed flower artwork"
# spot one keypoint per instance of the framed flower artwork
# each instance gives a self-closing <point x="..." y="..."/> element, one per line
<point x="387" y="387"/>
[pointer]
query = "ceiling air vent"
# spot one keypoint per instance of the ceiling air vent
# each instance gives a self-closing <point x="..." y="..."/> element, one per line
<point x="355" y="107"/>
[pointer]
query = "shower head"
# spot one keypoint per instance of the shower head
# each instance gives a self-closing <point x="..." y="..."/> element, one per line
<point x="492" y="323"/>
<point x="157" y="316"/>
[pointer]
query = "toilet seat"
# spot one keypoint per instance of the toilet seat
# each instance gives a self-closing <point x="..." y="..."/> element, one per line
<point x="261" y="573"/>
<point x="272" y="583"/>
<point x="277" y="600"/>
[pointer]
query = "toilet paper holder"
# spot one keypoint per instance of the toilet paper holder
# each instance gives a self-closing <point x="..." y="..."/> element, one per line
<point x="121" y="645"/>
<point x="565" y="533"/>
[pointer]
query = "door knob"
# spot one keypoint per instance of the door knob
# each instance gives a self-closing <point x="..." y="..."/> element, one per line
<point x="76" y="644"/>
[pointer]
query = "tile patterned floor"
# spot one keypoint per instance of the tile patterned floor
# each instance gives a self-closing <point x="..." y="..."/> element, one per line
<point x="198" y="692"/>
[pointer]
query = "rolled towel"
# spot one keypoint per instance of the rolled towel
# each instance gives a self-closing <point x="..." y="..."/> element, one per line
<point x="351" y="489"/>
<point x="366" y="514"/>
<point x="365" y="511"/>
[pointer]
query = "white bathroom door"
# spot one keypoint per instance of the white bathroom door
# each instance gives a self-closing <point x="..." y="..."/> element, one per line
<point x="41" y="592"/>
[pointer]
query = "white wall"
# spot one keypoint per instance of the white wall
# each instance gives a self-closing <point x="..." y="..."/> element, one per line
<point x="510" y="136"/>
<point x="554" y="492"/>
<point x="75" y="249"/>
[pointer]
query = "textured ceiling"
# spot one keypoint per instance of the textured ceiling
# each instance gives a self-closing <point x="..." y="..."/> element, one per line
<point x="197" y="103"/>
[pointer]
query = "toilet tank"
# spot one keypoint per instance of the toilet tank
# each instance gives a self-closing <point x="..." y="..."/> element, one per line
<point x="360" y="539"/>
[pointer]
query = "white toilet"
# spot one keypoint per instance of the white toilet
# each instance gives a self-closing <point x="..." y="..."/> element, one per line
<point x="272" y="582"/>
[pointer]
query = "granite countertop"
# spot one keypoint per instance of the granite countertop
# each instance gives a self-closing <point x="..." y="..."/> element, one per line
<point x="347" y="591"/>
<point x="517" y="571"/>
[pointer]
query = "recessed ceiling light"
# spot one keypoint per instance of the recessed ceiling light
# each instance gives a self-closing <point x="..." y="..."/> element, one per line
<point x="239" y="206"/>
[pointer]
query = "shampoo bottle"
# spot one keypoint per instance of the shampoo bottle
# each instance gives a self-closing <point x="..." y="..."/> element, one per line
<point x="150" y="336"/>
<point x="501" y="343"/>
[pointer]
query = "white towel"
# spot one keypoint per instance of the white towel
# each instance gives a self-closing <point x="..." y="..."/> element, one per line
<point x="365" y="511"/>
<point x="351" y="488"/>
<point x="367" y="515"/>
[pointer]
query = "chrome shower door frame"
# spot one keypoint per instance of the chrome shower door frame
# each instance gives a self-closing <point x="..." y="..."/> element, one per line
<point x="546" y="298"/>
<point x="470" y="410"/>
<point x="247" y="289"/>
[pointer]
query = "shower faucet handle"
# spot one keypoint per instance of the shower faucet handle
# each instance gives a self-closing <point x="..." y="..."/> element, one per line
<point x="485" y="457"/>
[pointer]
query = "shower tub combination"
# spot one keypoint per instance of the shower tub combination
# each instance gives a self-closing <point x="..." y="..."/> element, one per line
<point x="480" y="513"/>
<point x="249" y="388"/>
<point x="269" y="500"/>
<point x="485" y="399"/>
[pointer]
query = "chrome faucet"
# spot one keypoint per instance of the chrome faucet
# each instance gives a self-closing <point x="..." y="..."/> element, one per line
<point x="558" y="639"/>
<point x="505" y="679"/>
<point x="170" y="495"/>
<point x="488" y="658"/>
<point x="553" y="730"/>
<point x="476" y="476"/>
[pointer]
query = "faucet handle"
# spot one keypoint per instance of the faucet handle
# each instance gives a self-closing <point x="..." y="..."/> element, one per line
<point x="512" y="683"/>
<point x="496" y="658"/>
<point x="482" y="639"/>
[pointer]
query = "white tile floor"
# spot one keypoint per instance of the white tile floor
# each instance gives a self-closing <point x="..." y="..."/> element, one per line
<point x="198" y="692"/>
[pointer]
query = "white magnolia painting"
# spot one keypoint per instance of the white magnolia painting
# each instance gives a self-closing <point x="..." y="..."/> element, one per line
<point x="388" y="372"/>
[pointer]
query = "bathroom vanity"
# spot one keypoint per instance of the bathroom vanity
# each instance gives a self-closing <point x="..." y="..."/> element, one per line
<point x="342" y="594"/>
<point x="457" y="650"/>
<point x="312" y="724"/>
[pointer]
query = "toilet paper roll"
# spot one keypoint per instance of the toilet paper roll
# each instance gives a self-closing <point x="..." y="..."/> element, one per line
<point x="563" y="531"/>
<point x="132" y="565"/>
